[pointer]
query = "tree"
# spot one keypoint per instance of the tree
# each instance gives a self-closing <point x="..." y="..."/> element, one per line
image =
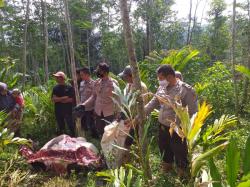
<point x="72" y="61"/>
<point x="156" y="16"/>
<point x="45" y="33"/>
<point x="189" y="21"/>
<point x="135" y="70"/>
<point x="25" y="42"/>
<point x="218" y="32"/>
<point x="233" y="58"/>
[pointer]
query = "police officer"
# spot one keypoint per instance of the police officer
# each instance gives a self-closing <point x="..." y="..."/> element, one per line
<point x="86" y="90"/>
<point x="126" y="75"/>
<point x="172" y="147"/>
<point x="101" y="99"/>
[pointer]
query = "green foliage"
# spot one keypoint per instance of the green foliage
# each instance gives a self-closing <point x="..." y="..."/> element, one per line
<point x="7" y="73"/>
<point x="218" y="88"/>
<point x="39" y="117"/>
<point x="120" y="177"/>
<point x="232" y="162"/>
<point x="215" y="175"/>
<point x="178" y="59"/>
<point x="7" y="138"/>
<point x="244" y="70"/>
<point x="246" y="160"/>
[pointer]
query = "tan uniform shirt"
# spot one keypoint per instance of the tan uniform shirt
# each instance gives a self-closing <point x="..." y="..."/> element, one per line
<point x="181" y="90"/>
<point x="102" y="97"/>
<point x="131" y="87"/>
<point x="86" y="90"/>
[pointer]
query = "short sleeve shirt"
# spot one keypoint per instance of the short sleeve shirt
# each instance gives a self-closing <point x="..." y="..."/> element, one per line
<point x="86" y="90"/>
<point x="7" y="102"/>
<point x="60" y="91"/>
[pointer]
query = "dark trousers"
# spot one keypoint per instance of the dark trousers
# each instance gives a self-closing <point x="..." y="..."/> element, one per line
<point x="61" y="118"/>
<point x="101" y="122"/>
<point x="173" y="148"/>
<point x="88" y="123"/>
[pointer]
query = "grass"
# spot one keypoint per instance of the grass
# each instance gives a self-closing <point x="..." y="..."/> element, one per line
<point x="22" y="174"/>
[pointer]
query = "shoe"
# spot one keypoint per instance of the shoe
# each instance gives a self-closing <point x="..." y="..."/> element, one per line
<point x="166" y="167"/>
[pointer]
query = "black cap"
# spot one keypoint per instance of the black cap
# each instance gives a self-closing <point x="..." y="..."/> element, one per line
<point x="126" y="72"/>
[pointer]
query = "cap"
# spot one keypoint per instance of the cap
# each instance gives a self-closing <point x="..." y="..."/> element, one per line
<point x="3" y="86"/>
<point x="60" y="74"/>
<point x="126" y="72"/>
<point x="178" y="75"/>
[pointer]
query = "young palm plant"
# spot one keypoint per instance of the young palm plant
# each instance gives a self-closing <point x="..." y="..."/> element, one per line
<point x="6" y="137"/>
<point x="135" y="175"/>
<point x="202" y="147"/>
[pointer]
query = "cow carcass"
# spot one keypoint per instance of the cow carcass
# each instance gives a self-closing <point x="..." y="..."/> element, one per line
<point x="63" y="152"/>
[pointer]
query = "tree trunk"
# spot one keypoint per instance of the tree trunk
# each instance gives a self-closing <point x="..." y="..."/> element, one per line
<point x="135" y="72"/>
<point x="88" y="49"/>
<point x="25" y="43"/>
<point x="195" y="20"/>
<point x="233" y="58"/>
<point x="45" y="34"/>
<point x="189" y="22"/>
<point x="246" y="82"/>
<point x="149" y="28"/>
<point x="72" y="63"/>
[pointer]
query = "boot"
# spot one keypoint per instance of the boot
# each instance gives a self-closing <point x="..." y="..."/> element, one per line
<point x="166" y="167"/>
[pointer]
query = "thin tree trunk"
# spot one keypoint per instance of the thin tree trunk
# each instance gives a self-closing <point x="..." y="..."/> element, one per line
<point x="135" y="72"/>
<point x="203" y="11"/>
<point x="195" y="20"/>
<point x="45" y="33"/>
<point x="88" y="49"/>
<point x="72" y="63"/>
<point x="233" y="58"/>
<point x="189" y="21"/>
<point x="149" y="28"/>
<point x="246" y="82"/>
<point x="25" y="43"/>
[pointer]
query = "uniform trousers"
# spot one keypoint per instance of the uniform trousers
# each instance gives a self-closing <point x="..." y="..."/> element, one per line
<point x="172" y="148"/>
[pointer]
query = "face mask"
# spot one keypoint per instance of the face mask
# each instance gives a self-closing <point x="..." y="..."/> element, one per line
<point x="163" y="83"/>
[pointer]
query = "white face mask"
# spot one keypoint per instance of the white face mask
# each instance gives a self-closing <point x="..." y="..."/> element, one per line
<point x="163" y="82"/>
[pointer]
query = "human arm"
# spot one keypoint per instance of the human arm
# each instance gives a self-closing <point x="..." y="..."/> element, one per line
<point x="153" y="103"/>
<point x="191" y="101"/>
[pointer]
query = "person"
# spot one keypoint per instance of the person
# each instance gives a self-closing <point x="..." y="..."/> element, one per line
<point x="126" y="75"/>
<point x="8" y="105"/>
<point x="63" y="97"/>
<point x="16" y="93"/>
<point x="172" y="147"/>
<point x="86" y="90"/>
<point x="104" y="106"/>
<point x="78" y="77"/>
<point x="7" y="102"/>
<point x="178" y="75"/>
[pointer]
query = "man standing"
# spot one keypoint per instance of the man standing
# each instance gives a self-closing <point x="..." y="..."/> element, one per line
<point x="101" y="98"/>
<point x="172" y="147"/>
<point x="63" y="97"/>
<point x="86" y="90"/>
<point x="126" y="75"/>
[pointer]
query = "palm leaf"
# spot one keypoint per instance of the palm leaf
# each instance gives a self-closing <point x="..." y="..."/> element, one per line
<point x="214" y="173"/>
<point x="232" y="162"/>
<point x="200" y="160"/>
<point x="244" y="70"/>
<point x="246" y="158"/>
